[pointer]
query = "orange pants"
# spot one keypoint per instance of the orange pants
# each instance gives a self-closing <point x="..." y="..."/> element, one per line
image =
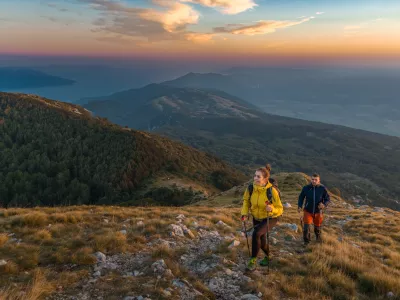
<point x="309" y="218"/>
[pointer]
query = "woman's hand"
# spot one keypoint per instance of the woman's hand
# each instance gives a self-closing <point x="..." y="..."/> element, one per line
<point x="244" y="218"/>
<point x="269" y="208"/>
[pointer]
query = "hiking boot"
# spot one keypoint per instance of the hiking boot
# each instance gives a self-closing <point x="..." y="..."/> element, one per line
<point x="251" y="266"/>
<point x="317" y="231"/>
<point x="306" y="233"/>
<point x="264" y="261"/>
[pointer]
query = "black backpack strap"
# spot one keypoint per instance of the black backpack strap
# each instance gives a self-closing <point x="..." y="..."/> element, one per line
<point x="269" y="194"/>
<point x="250" y="189"/>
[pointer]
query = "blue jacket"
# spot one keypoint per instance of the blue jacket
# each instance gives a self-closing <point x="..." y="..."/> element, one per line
<point x="314" y="196"/>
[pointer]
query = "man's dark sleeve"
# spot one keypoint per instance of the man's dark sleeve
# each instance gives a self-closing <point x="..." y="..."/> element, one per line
<point x="326" y="199"/>
<point x="301" y="198"/>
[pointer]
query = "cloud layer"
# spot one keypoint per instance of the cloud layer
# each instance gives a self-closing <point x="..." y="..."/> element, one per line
<point x="169" y="20"/>
<point x="230" y="7"/>
<point x="261" y="27"/>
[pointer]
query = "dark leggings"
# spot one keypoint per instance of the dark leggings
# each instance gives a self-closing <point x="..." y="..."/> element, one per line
<point x="259" y="240"/>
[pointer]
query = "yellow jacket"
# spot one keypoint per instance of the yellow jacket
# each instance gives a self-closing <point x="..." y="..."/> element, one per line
<point x="257" y="202"/>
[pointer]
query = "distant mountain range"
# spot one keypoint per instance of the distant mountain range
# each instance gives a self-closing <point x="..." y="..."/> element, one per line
<point x="364" y="99"/>
<point x="20" y="78"/>
<point x="311" y="86"/>
<point x="360" y="163"/>
<point x="156" y="105"/>
<point x="54" y="153"/>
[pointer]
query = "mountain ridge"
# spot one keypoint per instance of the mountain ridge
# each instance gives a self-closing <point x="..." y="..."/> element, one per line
<point x="353" y="160"/>
<point x="325" y="95"/>
<point x="155" y="104"/>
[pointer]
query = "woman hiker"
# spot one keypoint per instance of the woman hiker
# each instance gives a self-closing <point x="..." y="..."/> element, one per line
<point x="262" y="200"/>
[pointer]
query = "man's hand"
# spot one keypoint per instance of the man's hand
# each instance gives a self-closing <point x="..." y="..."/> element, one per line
<point x="269" y="208"/>
<point x="299" y="209"/>
<point x="244" y="218"/>
<point x="321" y="206"/>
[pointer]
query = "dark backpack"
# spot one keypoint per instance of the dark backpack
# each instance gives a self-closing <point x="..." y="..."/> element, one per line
<point x="269" y="190"/>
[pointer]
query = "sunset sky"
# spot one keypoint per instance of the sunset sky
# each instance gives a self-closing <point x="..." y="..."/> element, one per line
<point x="368" y="29"/>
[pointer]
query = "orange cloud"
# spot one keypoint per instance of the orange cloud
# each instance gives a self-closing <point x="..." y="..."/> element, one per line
<point x="199" y="37"/>
<point x="261" y="27"/>
<point x="230" y="7"/>
<point x="177" y="15"/>
<point x="168" y="21"/>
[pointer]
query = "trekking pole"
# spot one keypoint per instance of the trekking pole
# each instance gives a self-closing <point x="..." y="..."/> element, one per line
<point x="253" y="228"/>
<point x="247" y="238"/>
<point x="268" y="240"/>
<point x="267" y="203"/>
<point x="301" y="223"/>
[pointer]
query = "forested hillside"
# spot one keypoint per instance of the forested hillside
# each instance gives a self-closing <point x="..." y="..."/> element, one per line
<point x="53" y="153"/>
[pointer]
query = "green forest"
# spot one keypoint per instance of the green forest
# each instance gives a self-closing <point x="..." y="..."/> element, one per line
<point x="53" y="153"/>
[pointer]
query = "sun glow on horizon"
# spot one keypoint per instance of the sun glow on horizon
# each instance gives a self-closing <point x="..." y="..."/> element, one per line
<point x="201" y="28"/>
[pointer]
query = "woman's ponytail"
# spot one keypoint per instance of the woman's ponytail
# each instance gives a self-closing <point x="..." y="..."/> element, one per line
<point x="266" y="171"/>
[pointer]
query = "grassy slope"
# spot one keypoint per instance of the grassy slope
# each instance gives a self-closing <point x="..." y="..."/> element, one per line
<point x="54" y="259"/>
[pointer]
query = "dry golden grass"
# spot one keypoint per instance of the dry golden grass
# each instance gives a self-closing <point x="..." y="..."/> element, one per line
<point x="26" y="256"/>
<point x="37" y="289"/>
<point x="162" y="251"/>
<point x="136" y="238"/>
<point x="377" y="281"/>
<point x="391" y="257"/>
<point x="68" y="217"/>
<point x="224" y="218"/>
<point x="9" y="212"/>
<point x="3" y="239"/>
<point x="9" y="268"/>
<point x="83" y="256"/>
<point x="68" y="278"/>
<point x="110" y="242"/>
<point x="42" y="235"/>
<point x="61" y="256"/>
<point x="201" y="287"/>
<point x="177" y="269"/>
<point x="32" y="219"/>
<point x="366" y="265"/>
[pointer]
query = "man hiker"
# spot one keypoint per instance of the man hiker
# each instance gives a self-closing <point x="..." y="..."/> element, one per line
<point x="262" y="200"/>
<point x="317" y="198"/>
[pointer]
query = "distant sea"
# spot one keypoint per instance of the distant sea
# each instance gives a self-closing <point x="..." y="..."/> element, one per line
<point x="93" y="81"/>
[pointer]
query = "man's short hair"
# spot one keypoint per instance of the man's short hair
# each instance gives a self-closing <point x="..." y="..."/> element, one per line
<point x="315" y="175"/>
